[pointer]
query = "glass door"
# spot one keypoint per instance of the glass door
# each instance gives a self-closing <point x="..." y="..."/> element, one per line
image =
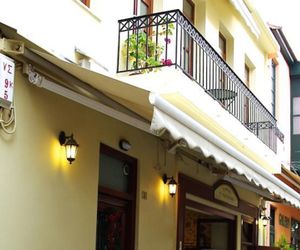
<point x="111" y="224"/>
<point x="204" y="230"/>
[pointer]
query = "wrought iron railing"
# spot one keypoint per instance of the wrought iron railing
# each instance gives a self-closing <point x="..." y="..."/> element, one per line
<point x="147" y="43"/>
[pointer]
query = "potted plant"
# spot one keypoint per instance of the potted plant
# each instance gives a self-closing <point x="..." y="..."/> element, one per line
<point x="283" y="243"/>
<point x="144" y="53"/>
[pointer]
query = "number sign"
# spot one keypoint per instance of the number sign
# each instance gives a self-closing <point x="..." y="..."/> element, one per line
<point x="7" y="76"/>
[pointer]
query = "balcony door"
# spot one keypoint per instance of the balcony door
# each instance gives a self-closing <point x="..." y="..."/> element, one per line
<point x="246" y="118"/>
<point x="189" y="12"/>
<point x="143" y="7"/>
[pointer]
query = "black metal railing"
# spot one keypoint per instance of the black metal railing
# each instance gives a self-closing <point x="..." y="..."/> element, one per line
<point x="165" y="39"/>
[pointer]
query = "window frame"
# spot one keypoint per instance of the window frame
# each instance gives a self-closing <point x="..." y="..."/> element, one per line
<point x="294" y="116"/>
<point x="272" y="226"/>
<point x="136" y="6"/>
<point x="273" y="87"/>
<point x="222" y="51"/>
<point x="87" y="3"/>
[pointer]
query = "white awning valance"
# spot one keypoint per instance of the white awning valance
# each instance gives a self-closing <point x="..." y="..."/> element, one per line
<point x="181" y="126"/>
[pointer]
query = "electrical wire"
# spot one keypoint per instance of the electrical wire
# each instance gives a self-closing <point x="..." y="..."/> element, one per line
<point x="8" y="125"/>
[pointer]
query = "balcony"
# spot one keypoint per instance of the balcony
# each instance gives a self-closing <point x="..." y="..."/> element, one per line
<point x="167" y="39"/>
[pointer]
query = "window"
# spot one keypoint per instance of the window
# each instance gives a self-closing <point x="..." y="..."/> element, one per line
<point x="221" y="74"/>
<point x="222" y="46"/>
<point x="273" y="88"/>
<point x="143" y="7"/>
<point x="86" y="2"/>
<point x="295" y="234"/>
<point x="247" y="75"/>
<point x="296" y="115"/>
<point x="248" y="232"/>
<point x="189" y="10"/>
<point x="246" y="99"/>
<point x="189" y="13"/>
<point x="272" y="226"/>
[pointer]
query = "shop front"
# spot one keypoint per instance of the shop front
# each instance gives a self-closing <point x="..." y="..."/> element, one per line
<point x="214" y="217"/>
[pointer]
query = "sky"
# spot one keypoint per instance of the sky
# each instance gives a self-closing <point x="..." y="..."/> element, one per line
<point x="284" y="13"/>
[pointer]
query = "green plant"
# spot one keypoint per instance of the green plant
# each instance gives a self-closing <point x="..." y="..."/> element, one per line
<point x="283" y="243"/>
<point x="144" y="49"/>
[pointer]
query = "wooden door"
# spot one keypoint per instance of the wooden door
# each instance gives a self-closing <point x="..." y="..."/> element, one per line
<point x="116" y="200"/>
<point x="112" y="224"/>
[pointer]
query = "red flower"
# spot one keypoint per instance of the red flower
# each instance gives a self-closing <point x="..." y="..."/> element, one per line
<point x="167" y="62"/>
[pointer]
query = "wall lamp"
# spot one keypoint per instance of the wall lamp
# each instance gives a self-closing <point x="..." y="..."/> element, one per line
<point x="172" y="184"/>
<point x="70" y="144"/>
<point x="124" y="145"/>
<point x="264" y="217"/>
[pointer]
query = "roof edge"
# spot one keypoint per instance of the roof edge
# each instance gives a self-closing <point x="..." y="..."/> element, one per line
<point x="285" y="47"/>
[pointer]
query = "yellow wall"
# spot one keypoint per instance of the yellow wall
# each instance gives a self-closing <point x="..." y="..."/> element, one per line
<point x="243" y="46"/>
<point x="48" y="204"/>
<point x="241" y="42"/>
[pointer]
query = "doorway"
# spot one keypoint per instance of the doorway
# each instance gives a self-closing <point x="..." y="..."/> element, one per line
<point x="204" y="230"/>
<point x="116" y="200"/>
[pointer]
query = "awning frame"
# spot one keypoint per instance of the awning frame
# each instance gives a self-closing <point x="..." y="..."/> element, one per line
<point x="270" y="183"/>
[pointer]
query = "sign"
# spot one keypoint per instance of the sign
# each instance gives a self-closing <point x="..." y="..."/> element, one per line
<point x="284" y="221"/>
<point x="7" y="77"/>
<point x="227" y="194"/>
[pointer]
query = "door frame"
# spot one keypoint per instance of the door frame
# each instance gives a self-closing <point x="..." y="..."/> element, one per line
<point x="192" y="186"/>
<point x="129" y="197"/>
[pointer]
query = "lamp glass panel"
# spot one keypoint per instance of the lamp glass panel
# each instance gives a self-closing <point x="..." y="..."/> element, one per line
<point x="172" y="188"/>
<point x="71" y="151"/>
<point x="264" y="221"/>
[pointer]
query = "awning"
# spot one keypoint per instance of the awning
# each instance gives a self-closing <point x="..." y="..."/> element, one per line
<point x="198" y="138"/>
<point x="179" y="124"/>
<point x="128" y="95"/>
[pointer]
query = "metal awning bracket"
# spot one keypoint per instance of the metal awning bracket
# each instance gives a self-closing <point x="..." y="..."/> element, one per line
<point x="10" y="46"/>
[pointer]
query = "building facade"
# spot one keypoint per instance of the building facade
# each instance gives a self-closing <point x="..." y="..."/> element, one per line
<point x="153" y="92"/>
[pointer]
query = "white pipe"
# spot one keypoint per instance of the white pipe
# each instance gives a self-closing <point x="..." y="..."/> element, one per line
<point x="190" y="123"/>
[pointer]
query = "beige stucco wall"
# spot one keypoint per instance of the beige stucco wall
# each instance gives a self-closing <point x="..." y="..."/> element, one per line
<point x="48" y="204"/>
<point x="244" y="47"/>
<point x="99" y="41"/>
<point x="242" y="43"/>
<point x="283" y="109"/>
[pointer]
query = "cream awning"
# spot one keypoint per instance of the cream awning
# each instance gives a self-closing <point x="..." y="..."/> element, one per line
<point x="181" y="126"/>
<point x="128" y="95"/>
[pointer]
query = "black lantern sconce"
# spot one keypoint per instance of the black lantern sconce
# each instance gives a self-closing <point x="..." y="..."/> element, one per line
<point x="70" y="144"/>
<point x="263" y="216"/>
<point x="171" y="183"/>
